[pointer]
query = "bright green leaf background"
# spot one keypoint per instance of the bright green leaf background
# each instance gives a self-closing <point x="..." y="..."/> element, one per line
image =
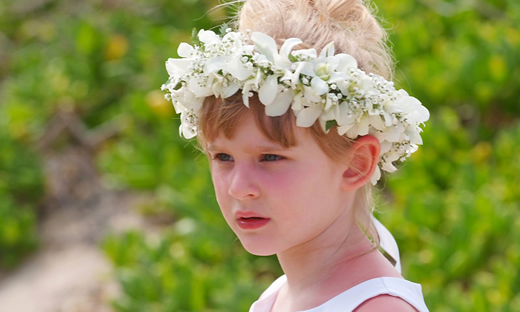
<point x="453" y="207"/>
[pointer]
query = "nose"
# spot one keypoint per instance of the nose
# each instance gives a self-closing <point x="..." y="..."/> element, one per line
<point x="243" y="184"/>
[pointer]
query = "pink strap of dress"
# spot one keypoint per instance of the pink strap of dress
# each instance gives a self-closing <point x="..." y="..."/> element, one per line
<point x="353" y="297"/>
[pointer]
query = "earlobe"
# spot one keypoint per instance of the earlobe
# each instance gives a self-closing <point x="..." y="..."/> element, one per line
<point x="364" y="158"/>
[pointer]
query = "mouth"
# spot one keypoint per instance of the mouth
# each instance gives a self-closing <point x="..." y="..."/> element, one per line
<point x="251" y="219"/>
<point x="251" y="223"/>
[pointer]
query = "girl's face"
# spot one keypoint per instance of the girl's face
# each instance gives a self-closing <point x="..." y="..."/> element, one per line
<point x="278" y="199"/>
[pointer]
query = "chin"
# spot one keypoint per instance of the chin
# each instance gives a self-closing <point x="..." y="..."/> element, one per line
<point x="259" y="250"/>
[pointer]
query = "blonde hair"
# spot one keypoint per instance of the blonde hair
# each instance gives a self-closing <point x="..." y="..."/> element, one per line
<point x="354" y="30"/>
<point x="349" y="23"/>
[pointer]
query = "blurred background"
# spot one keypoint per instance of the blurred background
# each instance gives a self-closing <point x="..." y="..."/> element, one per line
<point x="104" y="208"/>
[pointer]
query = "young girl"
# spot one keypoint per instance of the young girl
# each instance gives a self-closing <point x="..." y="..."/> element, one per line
<point x="297" y="117"/>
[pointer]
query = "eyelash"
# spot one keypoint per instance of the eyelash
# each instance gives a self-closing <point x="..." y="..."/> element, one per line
<point x="219" y="157"/>
<point x="277" y="157"/>
<point x="264" y="157"/>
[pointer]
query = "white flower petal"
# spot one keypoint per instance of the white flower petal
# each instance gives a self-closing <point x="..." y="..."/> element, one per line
<point x="305" y="68"/>
<point x="319" y="86"/>
<point x="185" y="50"/>
<point x="261" y="60"/>
<point x="345" y="128"/>
<point x="336" y="77"/>
<point x="196" y="102"/>
<point x="387" y="118"/>
<point x="310" y="95"/>
<point x="265" y="45"/>
<point x="375" y="176"/>
<point x="415" y="137"/>
<point x="328" y="104"/>
<point x="391" y="156"/>
<point x="287" y="47"/>
<point x="188" y="101"/>
<point x="215" y="64"/>
<point x="208" y="37"/>
<point x="345" y="62"/>
<point x="385" y="147"/>
<point x="328" y="51"/>
<point x="289" y="76"/>
<point x="376" y="122"/>
<point x="297" y="104"/>
<point x="353" y="132"/>
<point x="388" y="167"/>
<point x="331" y="113"/>
<point x="308" y="116"/>
<point x="343" y="86"/>
<point x="200" y="87"/>
<point x="245" y="92"/>
<point x="363" y="124"/>
<point x="187" y="132"/>
<point x="258" y="79"/>
<point x="392" y="134"/>
<point x="417" y="113"/>
<point x="268" y="90"/>
<point x="343" y="117"/>
<point x="177" y="67"/>
<point x="245" y="98"/>
<point x="305" y="54"/>
<point x="237" y="69"/>
<point x="280" y="104"/>
<point x="229" y="90"/>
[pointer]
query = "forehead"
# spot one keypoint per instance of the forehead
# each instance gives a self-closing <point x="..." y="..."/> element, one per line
<point x="225" y="117"/>
<point x="248" y="133"/>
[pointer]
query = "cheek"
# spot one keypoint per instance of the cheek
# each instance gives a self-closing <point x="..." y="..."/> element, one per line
<point x="219" y="186"/>
<point x="291" y="187"/>
<point x="309" y="188"/>
<point x="223" y="200"/>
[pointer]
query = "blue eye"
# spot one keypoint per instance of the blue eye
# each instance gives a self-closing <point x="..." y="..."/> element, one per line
<point x="223" y="157"/>
<point x="271" y="157"/>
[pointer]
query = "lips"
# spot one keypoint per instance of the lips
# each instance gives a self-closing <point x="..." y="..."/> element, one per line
<point x="250" y="220"/>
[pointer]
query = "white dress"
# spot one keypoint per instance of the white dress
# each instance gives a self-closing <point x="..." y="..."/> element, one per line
<point x="353" y="297"/>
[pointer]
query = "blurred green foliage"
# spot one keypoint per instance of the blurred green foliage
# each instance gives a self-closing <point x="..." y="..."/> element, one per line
<point x="461" y="54"/>
<point x="457" y="223"/>
<point x="20" y="192"/>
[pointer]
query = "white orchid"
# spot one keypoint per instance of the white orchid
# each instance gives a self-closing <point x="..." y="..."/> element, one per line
<point x="318" y="88"/>
<point x="276" y="101"/>
<point x="208" y="37"/>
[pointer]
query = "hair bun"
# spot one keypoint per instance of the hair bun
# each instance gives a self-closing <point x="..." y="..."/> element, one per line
<point x="349" y="23"/>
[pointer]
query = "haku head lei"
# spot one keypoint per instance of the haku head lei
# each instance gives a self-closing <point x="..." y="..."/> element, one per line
<point x="327" y="87"/>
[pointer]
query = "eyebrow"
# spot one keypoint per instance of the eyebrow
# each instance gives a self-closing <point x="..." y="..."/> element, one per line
<point x="264" y="147"/>
<point x="212" y="147"/>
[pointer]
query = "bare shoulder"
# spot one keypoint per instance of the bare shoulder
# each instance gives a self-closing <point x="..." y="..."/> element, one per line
<point x="383" y="303"/>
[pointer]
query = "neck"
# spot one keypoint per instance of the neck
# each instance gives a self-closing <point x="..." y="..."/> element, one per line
<point x="333" y="251"/>
<point x="314" y="276"/>
<point x="336" y="260"/>
<point x="307" y="267"/>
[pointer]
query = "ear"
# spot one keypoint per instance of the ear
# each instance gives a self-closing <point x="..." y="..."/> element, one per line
<point x="364" y="156"/>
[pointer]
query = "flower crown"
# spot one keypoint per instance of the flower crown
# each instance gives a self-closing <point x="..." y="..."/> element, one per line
<point x="325" y="87"/>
